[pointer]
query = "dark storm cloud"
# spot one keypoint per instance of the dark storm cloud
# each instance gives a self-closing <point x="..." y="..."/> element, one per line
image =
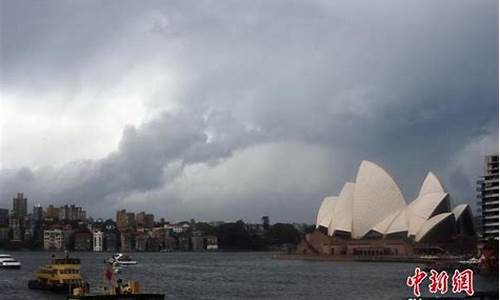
<point x="412" y="86"/>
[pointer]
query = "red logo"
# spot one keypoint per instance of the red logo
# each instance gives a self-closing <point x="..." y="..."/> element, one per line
<point x="439" y="282"/>
<point x="461" y="281"/>
<point x="415" y="281"/>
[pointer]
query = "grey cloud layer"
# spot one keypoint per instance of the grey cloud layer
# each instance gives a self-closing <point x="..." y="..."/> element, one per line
<point x="410" y="85"/>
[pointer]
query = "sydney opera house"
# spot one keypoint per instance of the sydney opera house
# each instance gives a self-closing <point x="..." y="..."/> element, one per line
<point x="371" y="216"/>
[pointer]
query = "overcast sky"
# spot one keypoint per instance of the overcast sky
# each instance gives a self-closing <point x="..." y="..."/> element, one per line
<point x="226" y="110"/>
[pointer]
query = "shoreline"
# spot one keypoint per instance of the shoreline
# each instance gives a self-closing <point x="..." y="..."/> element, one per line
<point x="358" y="258"/>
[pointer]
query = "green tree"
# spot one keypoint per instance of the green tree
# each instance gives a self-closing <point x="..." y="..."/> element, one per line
<point x="281" y="233"/>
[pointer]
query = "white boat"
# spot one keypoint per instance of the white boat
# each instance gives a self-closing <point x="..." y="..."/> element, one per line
<point x="6" y="261"/>
<point x="122" y="259"/>
<point x="472" y="261"/>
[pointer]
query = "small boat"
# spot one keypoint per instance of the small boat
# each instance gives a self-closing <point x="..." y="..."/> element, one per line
<point x="61" y="275"/>
<point x="122" y="259"/>
<point x="7" y="261"/>
<point x="470" y="262"/>
<point x="10" y="263"/>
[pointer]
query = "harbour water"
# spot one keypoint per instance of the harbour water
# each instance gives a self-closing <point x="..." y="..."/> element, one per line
<point x="246" y="275"/>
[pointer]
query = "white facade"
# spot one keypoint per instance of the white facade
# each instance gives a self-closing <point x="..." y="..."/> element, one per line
<point x="374" y="206"/>
<point x="98" y="241"/>
<point x="53" y="239"/>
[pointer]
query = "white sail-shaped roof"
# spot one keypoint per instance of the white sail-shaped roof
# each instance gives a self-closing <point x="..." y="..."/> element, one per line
<point x="444" y="222"/>
<point x="342" y="216"/>
<point x="423" y="208"/>
<point x="384" y="225"/>
<point x="464" y="219"/>
<point x="325" y="212"/>
<point x="431" y="185"/>
<point x="374" y="207"/>
<point x="400" y="223"/>
<point x="459" y="210"/>
<point x="376" y="196"/>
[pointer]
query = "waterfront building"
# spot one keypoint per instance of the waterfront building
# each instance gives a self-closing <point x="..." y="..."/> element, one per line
<point x="197" y="241"/>
<point x="110" y="241"/>
<point x="141" y="241"/>
<point x="255" y="228"/>
<point x="170" y="243"/>
<point x="184" y="243"/>
<point x="68" y="234"/>
<point x="371" y="214"/>
<point x="83" y="241"/>
<point x="98" y="239"/>
<point x="177" y="228"/>
<point x="109" y="225"/>
<point x="29" y="234"/>
<point x="4" y="217"/>
<point x="126" y="243"/>
<point x="53" y="239"/>
<point x="211" y="242"/>
<point x="488" y="198"/>
<point x="19" y="206"/>
<point x="15" y="227"/>
<point x="154" y="244"/>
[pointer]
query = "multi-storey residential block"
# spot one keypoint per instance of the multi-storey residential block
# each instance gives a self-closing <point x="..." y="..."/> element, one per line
<point x="83" y="241"/>
<point x="52" y="212"/>
<point x="98" y="241"/>
<point x="53" y="239"/>
<point x="488" y="198"/>
<point x="4" y="217"/>
<point x="19" y="206"/>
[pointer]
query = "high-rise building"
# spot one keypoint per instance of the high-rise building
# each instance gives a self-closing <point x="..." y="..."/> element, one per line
<point x="19" y="206"/>
<point x="52" y="212"/>
<point x="38" y="213"/>
<point x="131" y="219"/>
<point x="71" y="213"/>
<point x="140" y="218"/>
<point x="121" y="219"/>
<point x="145" y="220"/>
<point x="98" y="241"/>
<point x="63" y="212"/>
<point x="4" y="217"/>
<point x="488" y="198"/>
<point x="149" y="221"/>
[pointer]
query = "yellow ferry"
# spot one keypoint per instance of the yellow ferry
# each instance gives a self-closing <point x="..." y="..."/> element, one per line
<point x="61" y="275"/>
